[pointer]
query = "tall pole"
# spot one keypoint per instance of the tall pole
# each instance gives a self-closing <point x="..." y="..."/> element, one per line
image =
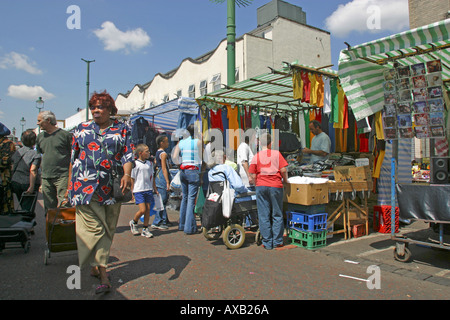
<point x="231" y="42"/>
<point x="87" y="87"/>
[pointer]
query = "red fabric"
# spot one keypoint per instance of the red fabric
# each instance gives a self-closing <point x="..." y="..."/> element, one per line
<point x="248" y="117"/>
<point x="215" y="119"/>
<point x="266" y="165"/>
<point x="306" y="87"/>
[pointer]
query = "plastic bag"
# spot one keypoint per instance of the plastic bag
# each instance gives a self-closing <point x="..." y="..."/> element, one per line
<point x="159" y="206"/>
<point x="227" y="199"/>
<point x="200" y="201"/>
<point x="175" y="184"/>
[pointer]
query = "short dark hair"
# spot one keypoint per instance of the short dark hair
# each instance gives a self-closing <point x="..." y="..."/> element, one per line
<point x="105" y="99"/>
<point x="28" y="138"/>
<point x="191" y="129"/>
<point x="160" y="139"/>
<point x="316" y="124"/>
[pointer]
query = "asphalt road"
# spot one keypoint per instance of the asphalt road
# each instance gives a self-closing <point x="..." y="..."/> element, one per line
<point x="176" y="267"/>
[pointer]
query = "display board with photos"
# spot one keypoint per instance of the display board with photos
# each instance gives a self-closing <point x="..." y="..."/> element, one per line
<point x="414" y="101"/>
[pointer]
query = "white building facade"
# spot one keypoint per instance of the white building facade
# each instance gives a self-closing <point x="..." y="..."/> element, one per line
<point x="282" y="36"/>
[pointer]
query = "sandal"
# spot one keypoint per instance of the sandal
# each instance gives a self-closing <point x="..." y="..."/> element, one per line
<point x="103" y="288"/>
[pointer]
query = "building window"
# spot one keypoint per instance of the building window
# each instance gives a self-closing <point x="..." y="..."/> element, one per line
<point x="191" y="91"/>
<point x="236" y="75"/>
<point x="179" y="93"/>
<point x="216" y="82"/>
<point x="203" y="88"/>
<point x="166" y="98"/>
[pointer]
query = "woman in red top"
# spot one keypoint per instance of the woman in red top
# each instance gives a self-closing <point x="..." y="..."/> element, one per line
<point x="268" y="169"/>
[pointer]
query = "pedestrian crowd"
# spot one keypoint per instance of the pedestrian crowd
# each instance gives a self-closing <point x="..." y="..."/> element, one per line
<point x="86" y="169"/>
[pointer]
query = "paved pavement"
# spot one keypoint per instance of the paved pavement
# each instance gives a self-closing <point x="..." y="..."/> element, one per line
<point x="174" y="266"/>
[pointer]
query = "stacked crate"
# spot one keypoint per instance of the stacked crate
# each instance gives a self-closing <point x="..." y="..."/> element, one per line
<point x="382" y="219"/>
<point x="307" y="230"/>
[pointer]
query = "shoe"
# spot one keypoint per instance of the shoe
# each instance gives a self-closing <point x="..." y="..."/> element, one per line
<point x="146" y="233"/>
<point x="103" y="288"/>
<point x="134" y="228"/>
<point x="161" y="227"/>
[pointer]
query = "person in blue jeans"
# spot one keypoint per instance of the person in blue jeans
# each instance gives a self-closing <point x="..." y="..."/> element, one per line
<point x="268" y="169"/>
<point x="162" y="181"/>
<point x="190" y="149"/>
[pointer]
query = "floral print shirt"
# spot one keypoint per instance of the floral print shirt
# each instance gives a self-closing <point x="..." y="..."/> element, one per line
<point x="91" y="170"/>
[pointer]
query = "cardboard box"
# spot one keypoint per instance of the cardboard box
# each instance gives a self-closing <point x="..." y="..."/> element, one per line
<point x="306" y="194"/>
<point x="352" y="174"/>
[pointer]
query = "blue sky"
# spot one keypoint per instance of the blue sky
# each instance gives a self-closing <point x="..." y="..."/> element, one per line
<point x="133" y="40"/>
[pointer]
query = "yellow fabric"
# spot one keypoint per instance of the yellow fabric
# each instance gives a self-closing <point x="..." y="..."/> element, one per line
<point x="297" y="83"/>
<point x="320" y="90"/>
<point x="313" y="96"/>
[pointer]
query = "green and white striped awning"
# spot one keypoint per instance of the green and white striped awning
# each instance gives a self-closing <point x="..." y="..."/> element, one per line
<point x="361" y="67"/>
<point x="269" y="90"/>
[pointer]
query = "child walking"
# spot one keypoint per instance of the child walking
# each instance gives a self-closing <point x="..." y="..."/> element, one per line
<point x="143" y="189"/>
<point x="162" y="181"/>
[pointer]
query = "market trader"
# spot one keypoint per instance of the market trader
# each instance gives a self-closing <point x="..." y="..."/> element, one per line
<point x="320" y="144"/>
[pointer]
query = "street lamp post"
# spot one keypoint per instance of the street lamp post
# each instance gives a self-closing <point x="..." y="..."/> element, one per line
<point x="40" y="106"/>
<point x="87" y="87"/>
<point x="22" y="123"/>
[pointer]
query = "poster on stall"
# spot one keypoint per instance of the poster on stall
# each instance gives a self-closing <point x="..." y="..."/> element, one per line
<point x="414" y="101"/>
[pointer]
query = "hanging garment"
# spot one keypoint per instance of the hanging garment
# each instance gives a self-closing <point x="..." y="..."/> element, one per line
<point x="256" y="122"/>
<point x="320" y="90"/>
<point x="138" y="130"/>
<point x="307" y="132"/>
<point x="326" y="96"/>
<point x="313" y="89"/>
<point x="297" y="84"/>
<point x="248" y="117"/>
<point x="205" y="122"/>
<point x="295" y="125"/>
<point x="233" y="126"/>
<point x="334" y="91"/>
<point x="302" y="128"/>
<point x="306" y="87"/>
<point x="215" y="117"/>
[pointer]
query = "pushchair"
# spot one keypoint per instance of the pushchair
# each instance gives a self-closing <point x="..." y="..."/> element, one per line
<point x="18" y="227"/>
<point x="243" y="217"/>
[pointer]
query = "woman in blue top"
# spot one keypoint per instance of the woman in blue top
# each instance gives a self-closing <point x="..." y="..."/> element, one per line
<point x="90" y="183"/>
<point x="190" y="150"/>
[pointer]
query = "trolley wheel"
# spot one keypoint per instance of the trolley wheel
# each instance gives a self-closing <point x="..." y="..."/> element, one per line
<point x="258" y="238"/>
<point x="213" y="233"/>
<point x="234" y="236"/>
<point x="405" y="258"/>
<point x="46" y="256"/>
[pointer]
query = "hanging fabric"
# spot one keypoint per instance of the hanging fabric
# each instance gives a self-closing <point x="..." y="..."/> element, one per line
<point x="320" y="90"/>
<point x="306" y="87"/>
<point x="297" y="84"/>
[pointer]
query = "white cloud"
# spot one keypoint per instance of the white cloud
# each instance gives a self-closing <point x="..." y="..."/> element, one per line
<point x="115" y="39"/>
<point x="29" y="93"/>
<point x="369" y="16"/>
<point x="20" y="62"/>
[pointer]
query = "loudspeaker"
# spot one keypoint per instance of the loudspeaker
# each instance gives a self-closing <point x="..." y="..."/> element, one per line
<point x="440" y="170"/>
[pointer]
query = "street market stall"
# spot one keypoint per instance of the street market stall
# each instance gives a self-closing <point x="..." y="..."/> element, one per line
<point x="404" y="80"/>
<point x="287" y="100"/>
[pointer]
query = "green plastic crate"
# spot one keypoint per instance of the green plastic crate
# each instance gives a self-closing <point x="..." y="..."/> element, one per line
<point x="308" y="240"/>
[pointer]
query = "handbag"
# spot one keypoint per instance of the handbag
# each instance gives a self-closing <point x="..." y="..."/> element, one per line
<point x="212" y="213"/>
<point x="116" y="177"/>
<point x="200" y="201"/>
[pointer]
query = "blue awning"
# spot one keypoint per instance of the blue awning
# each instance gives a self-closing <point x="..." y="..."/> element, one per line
<point x="165" y="116"/>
